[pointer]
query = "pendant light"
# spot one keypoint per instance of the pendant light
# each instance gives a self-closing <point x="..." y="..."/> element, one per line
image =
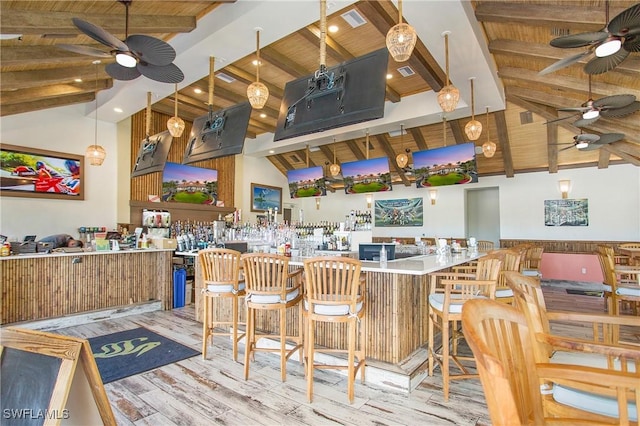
<point x="402" y="159"/>
<point x="401" y="38"/>
<point x="334" y="169"/>
<point x="257" y="92"/>
<point x="95" y="153"/>
<point x="175" y="124"/>
<point x="473" y="128"/>
<point x="449" y="95"/>
<point x="488" y="148"/>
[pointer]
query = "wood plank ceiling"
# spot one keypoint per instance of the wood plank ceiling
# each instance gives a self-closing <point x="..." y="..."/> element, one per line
<point x="37" y="75"/>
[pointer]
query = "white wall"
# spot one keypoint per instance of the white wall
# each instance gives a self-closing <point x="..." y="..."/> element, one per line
<point x="613" y="193"/>
<point x="67" y="130"/>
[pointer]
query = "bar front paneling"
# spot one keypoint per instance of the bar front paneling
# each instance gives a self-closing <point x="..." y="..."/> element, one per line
<point x="52" y="285"/>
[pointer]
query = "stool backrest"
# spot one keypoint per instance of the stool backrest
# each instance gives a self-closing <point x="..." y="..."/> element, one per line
<point x="265" y="273"/>
<point x="332" y="280"/>
<point x="220" y="266"/>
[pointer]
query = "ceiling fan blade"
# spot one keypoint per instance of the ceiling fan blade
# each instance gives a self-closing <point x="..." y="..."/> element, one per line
<point x="621" y="112"/>
<point x="100" y="35"/>
<point x="626" y="21"/>
<point x="578" y="109"/>
<point x="585" y="121"/>
<point x="579" y="40"/>
<point x="84" y="50"/>
<point x="164" y="74"/>
<point x="615" y="101"/>
<point x="610" y="138"/>
<point x="117" y="71"/>
<point x="607" y="63"/>
<point x="563" y="63"/>
<point x="151" y="50"/>
<point x="632" y="43"/>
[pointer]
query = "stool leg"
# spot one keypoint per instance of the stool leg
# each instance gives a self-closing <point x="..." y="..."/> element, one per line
<point x="310" y="337"/>
<point x="205" y="326"/>
<point x="283" y="343"/>
<point x="249" y="339"/>
<point x="445" y="358"/>
<point x="350" y="359"/>
<point x="234" y="321"/>
<point x="363" y="342"/>
<point x="431" y="342"/>
<point x="301" y="335"/>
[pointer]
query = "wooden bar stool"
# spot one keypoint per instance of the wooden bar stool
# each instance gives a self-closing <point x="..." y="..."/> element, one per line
<point x="221" y="280"/>
<point x="271" y="287"/>
<point x="335" y="293"/>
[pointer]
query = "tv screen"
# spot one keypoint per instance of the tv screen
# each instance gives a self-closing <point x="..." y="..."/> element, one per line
<point x="348" y="93"/>
<point x="189" y="184"/>
<point x="367" y="176"/>
<point x="152" y="154"/>
<point x="450" y="165"/>
<point x="372" y="251"/>
<point x="218" y="134"/>
<point x="307" y="182"/>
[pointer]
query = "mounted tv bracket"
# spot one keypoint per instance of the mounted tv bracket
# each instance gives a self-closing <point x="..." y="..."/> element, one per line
<point x="322" y="83"/>
<point x="149" y="147"/>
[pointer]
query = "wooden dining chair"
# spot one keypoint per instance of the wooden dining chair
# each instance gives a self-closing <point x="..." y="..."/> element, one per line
<point x="621" y="282"/>
<point x="532" y="261"/>
<point x="504" y="347"/>
<point x="221" y="281"/>
<point x="335" y="293"/>
<point x="510" y="262"/>
<point x="485" y="246"/>
<point x="271" y="287"/>
<point x="448" y="292"/>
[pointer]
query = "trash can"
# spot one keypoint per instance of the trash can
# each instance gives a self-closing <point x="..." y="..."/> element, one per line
<point x="179" y="286"/>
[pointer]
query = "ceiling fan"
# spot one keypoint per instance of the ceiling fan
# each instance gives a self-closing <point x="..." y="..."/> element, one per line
<point x="609" y="106"/>
<point x="609" y="46"/>
<point x="136" y="55"/>
<point x="590" y="142"/>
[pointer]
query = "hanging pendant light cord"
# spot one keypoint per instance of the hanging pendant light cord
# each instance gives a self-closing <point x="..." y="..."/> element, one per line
<point x="446" y="55"/>
<point x="472" y="103"/>
<point x="211" y="86"/>
<point x="323" y="36"/>
<point x="258" y="55"/>
<point x="95" y="136"/>
<point x="148" y="114"/>
<point x="175" y="98"/>
<point x="399" y="11"/>
<point x="488" y="124"/>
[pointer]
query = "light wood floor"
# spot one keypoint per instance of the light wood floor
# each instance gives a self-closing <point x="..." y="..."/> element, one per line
<point x="198" y="392"/>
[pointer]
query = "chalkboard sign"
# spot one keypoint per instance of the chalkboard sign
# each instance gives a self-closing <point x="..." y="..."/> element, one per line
<point x="49" y="379"/>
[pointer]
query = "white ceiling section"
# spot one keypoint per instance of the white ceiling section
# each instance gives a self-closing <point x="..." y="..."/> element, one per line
<point x="228" y="35"/>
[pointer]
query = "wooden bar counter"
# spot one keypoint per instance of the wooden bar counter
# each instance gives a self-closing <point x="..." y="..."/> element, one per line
<point x="396" y="307"/>
<point x="42" y="286"/>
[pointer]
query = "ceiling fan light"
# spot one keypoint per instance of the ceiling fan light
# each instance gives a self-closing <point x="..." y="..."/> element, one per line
<point x="448" y="98"/>
<point x="582" y="144"/>
<point x="95" y="154"/>
<point x="334" y="169"/>
<point x="473" y="129"/>
<point x="257" y="94"/>
<point x="126" y="59"/>
<point x="401" y="39"/>
<point x="608" y="48"/>
<point x="176" y="126"/>
<point x="402" y="160"/>
<point x="488" y="149"/>
<point x="592" y="113"/>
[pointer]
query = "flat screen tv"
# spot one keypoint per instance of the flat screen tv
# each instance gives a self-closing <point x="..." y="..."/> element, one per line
<point x="449" y="165"/>
<point x="188" y="184"/>
<point x="348" y="93"/>
<point x="307" y="182"/>
<point x="218" y="134"/>
<point x="152" y="154"/>
<point x="367" y="176"/>
<point x="371" y="251"/>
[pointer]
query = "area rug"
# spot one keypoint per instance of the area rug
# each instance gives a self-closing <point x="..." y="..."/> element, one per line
<point x="585" y="292"/>
<point x="130" y="352"/>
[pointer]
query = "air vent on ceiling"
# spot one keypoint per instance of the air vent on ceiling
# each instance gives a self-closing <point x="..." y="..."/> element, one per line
<point x="353" y="18"/>
<point x="559" y="32"/>
<point x="294" y="158"/>
<point x="406" y="71"/>
<point x="526" y="117"/>
<point x="226" y="78"/>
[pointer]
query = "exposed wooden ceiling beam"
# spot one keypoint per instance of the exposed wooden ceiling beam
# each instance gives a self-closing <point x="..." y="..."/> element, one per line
<point x="615" y="148"/>
<point x="29" y="56"/>
<point x="419" y="138"/>
<point x="388" y="149"/>
<point x="604" y="157"/>
<point x="329" y="154"/>
<point x="283" y="161"/>
<point x="505" y="144"/>
<point x="53" y="91"/>
<point x="38" y="78"/>
<point x="278" y="60"/>
<point x="39" y="22"/>
<point x="41" y="104"/>
<point x="247" y="78"/>
<point x="355" y="149"/>
<point x="552" y="147"/>
<point x="458" y="135"/>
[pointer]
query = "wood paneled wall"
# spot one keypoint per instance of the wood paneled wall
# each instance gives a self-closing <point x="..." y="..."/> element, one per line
<point x="566" y="246"/>
<point x="151" y="183"/>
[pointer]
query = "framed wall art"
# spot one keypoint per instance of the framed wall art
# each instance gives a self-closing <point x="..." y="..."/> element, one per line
<point x="401" y="212"/>
<point x="38" y="173"/>
<point x="566" y="212"/>
<point x="265" y="198"/>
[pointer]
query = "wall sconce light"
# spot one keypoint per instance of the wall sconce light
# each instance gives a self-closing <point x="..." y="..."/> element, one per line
<point x="317" y="203"/>
<point x="433" y="195"/>
<point x="369" y="200"/>
<point x="564" y="186"/>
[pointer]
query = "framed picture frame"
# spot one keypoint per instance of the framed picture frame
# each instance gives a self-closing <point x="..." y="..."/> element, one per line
<point x="39" y="173"/>
<point x="265" y="197"/>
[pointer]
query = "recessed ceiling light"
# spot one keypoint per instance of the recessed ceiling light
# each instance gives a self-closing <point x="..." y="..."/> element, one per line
<point x="271" y="151"/>
<point x="263" y="115"/>
<point x="333" y="28"/>
<point x="77" y="80"/>
<point x="116" y="109"/>
<point x="389" y="76"/>
<point x="197" y="91"/>
<point x="255" y="62"/>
